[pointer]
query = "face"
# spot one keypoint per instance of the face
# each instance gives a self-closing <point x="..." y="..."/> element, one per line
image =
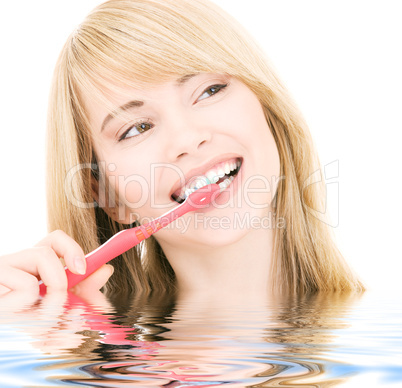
<point x="167" y="138"/>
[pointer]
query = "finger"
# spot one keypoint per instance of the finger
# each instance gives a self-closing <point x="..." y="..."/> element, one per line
<point x="94" y="282"/>
<point x="39" y="261"/>
<point x="14" y="301"/>
<point x="67" y="248"/>
<point x="16" y="279"/>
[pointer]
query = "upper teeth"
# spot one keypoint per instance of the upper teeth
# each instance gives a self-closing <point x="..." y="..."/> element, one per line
<point x="211" y="176"/>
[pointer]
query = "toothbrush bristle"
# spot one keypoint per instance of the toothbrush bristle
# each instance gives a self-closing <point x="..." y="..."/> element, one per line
<point x="204" y="195"/>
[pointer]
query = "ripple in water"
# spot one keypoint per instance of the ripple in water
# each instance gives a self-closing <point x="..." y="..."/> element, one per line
<point x="312" y="341"/>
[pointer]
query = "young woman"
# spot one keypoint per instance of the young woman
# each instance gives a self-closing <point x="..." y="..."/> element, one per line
<point x="151" y="98"/>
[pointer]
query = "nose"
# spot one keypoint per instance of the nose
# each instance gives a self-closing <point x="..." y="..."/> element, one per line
<point x="185" y="137"/>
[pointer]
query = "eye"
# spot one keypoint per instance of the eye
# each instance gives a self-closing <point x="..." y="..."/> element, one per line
<point x="136" y="129"/>
<point x="211" y="90"/>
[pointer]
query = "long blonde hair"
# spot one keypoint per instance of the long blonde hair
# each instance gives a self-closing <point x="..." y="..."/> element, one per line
<point x="137" y="42"/>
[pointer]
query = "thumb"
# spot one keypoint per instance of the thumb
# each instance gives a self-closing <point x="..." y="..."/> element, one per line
<point x="95" y="281"/>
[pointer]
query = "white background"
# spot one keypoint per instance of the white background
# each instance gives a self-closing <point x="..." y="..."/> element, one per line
<point x="340" y="60"/>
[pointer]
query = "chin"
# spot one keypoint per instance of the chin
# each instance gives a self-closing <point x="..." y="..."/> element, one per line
<point x="212" y="239"/>
<point x="223" y="228"/>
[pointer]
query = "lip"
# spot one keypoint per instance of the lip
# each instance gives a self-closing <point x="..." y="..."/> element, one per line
<point x="201" y="170"/>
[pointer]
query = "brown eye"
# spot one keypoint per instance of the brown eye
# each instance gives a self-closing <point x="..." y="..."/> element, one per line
<point x="211" y="90"/>
<point x="136" y="130"/>
<point x="143" y="127"/>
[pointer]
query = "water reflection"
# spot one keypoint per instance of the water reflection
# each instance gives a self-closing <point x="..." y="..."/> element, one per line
<point x="164" y="341"/>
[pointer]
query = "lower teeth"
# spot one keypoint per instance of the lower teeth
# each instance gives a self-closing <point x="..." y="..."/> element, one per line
<point x="223" y="185"/>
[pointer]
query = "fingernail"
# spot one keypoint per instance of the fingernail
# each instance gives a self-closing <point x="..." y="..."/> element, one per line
<point x="80" y="265"/>
<point x="111" y="268"/>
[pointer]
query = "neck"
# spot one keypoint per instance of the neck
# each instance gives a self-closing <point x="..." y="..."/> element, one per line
<point x="230" y="274"/>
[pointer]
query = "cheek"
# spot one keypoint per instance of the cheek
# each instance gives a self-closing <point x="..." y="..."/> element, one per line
<point x="132" y="189"/>
<point x="269" y="153"/>
<point x="128" y="179"/>
<point x="244" y="117"/>
<point x="265" y="181"/>
<point x="137" y="183"/>
<point x="263" y="170"/>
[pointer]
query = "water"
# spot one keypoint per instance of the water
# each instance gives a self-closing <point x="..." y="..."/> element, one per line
<point x="311" y="341"/>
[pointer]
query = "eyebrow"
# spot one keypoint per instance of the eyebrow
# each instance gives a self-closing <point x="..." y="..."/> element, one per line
<point x="182" y="80"/>
<point x="127" y="106"/>
<point x="137" y="103"/>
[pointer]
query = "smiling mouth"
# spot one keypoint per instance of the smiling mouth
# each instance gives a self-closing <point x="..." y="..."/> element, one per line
<point x="222" y="174"/>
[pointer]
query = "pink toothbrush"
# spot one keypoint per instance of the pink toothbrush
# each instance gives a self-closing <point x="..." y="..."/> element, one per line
<point x="128" y="238"/>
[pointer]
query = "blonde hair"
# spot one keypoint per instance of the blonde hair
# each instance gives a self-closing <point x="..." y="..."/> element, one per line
<point x="137" y="42"/>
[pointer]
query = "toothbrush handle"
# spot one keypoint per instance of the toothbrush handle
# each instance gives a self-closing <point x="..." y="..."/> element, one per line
<point x="129" y="238"/>
<point x="121" y="242"/>
<point x="115" y="246"/>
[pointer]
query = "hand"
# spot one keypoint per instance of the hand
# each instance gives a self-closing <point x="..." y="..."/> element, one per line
<point x="20" y="271"/>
